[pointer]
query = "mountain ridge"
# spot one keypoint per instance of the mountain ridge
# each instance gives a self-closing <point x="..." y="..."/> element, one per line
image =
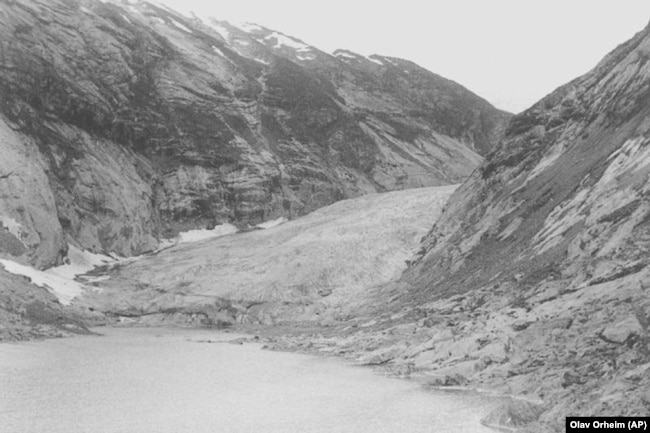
<point x="193" y="134"/>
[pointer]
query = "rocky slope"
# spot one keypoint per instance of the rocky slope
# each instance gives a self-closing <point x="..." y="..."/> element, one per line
<point x="28" y="312"/>
<point x="124" y="122"/>
<point x="534" y="279"/>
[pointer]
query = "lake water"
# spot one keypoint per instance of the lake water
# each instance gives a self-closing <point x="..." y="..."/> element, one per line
<point x="161" y="380"/>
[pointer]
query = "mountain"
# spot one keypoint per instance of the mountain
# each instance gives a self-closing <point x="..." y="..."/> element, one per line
<point x="373" y="86"/>
<point x="533" y="282"/>
<point x="124" y="123"/>
<point x="543" y="251"/>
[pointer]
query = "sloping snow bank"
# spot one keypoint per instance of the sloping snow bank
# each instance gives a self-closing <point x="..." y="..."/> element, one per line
<point x="60" y="281"/>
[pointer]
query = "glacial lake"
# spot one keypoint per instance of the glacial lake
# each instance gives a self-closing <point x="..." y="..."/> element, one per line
<point x="166" y="381"/>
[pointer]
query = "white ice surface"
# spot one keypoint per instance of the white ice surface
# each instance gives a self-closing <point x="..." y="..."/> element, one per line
<point x="199" y="235"/>
<point x="345" y="54"/>
<point x="287" y="41"/>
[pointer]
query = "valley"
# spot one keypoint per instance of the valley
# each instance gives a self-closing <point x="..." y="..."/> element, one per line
<point x="164" y="170"/>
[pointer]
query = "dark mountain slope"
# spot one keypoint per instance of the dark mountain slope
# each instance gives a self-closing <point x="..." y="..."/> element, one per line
<point x="130" y="122"/>
<point x="375" y="85"/>
<point x="569" y="176"/>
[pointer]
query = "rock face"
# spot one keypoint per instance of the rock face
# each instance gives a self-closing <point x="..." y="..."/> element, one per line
<point x="126" y="122"/>
<point x="28" y="312"/>
<point x="545" y="248"/>
<point x="563" y="196"/>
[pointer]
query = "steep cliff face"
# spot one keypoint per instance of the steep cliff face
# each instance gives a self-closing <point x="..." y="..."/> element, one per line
<point x="127" y="122"/>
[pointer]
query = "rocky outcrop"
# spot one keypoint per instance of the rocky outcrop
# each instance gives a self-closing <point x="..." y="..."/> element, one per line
<point x="127" y="122"/>
<point x="28" y="312"/>
<point x="27" y="207"/>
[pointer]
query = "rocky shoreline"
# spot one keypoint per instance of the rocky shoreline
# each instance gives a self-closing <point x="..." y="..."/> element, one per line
<point x="558" y="351"/>
<point x="292" y="339"/>
<point x="561" y="352"/>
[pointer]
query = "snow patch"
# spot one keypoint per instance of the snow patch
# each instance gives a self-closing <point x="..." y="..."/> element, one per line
<point x="60" y="281"/>
<point x="126" y="19"/>
<point x="345" y="54"/>
<point x="384" y="60"/>
<point x="61" y="287"/>
<point x="84" y="261"/>
<point x="272" y="223"/>
<point x="287" y="41"/>
<point x="249" y="27"/>
<point x="376" y="60"/>
<point x="223" y="32"/>
<point x="218" y="51"/>
<point x="199" y="235"/>
<point x="242" y="42"/>
<point x="13" y="226"/>
<point x="181" y="26"/>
